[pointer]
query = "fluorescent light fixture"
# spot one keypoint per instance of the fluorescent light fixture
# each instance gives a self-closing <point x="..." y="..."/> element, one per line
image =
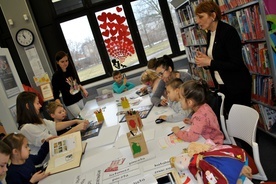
<point x="54" y="1"/>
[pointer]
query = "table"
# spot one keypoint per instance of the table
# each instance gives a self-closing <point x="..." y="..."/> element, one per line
<point x="111" y="145"/>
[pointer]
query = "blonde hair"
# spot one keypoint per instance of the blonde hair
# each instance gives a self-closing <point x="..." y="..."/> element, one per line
<point x="148" y="76"/>
<point x="52" y="106"/>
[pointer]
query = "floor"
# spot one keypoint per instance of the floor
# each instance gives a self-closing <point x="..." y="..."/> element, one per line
<point x="267" y="147"/>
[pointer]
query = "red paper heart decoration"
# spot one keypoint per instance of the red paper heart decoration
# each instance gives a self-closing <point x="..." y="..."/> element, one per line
<point x="105" y="33"/>
<point x="102" y="17"/>
<point x="120" y="19"/>
<point x="113" y="32"/>
<point x="113" y="38"/>
<point x="119" y="9"/>
<point x="111" y="16"/>
<point x="103" y="25"/>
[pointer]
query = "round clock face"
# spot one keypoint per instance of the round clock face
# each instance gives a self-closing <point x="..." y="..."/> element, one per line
<point x="24" y="37"/>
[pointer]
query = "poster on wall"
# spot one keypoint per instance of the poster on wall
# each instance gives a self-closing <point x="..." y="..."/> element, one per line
<point x="7" y="79"/>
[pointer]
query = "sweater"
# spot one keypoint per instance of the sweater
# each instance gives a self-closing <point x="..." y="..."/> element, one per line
<point x="205" y="123"/>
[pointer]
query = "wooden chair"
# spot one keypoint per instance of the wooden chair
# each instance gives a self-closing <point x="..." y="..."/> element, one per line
<point x="242" y="124"/>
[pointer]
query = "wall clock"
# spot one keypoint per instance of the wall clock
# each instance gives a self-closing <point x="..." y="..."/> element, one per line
<point x="25" y="37"/>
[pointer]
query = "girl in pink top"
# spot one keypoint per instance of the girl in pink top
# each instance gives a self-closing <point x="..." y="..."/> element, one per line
<point x="204" y="121"/>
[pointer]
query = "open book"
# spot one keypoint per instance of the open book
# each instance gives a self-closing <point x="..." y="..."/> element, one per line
<point x="65" y="153"/>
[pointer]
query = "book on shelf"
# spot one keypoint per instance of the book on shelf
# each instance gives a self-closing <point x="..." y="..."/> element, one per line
<point x="261" y="122"/>
<point x="65" y="153"/>
<point x="268" y="115"/>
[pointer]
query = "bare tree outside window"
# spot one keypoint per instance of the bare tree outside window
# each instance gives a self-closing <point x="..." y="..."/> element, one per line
<point x="82" y="47"/>
<point x="151" y="27"/>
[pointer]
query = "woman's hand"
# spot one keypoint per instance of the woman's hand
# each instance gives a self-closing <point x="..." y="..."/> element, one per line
<point x="38" y="176"/>
<point x="175" y="129"/>
<point x="202" y="59"/>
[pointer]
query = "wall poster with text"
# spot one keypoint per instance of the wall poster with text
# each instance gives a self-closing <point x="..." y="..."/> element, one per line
<point x="7" y="79"/>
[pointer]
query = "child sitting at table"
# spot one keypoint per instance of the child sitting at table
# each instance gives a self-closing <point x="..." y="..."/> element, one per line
<point x="22" y="169"/>
<point x="35" y="128"/>
<point x="173" y="95"/>
<point x="151" y="79"/>
<point x="5" y="153"/>
<point x="59" y="115"/>
<point x="204" y="121"/>
<point x="121" y="84"/>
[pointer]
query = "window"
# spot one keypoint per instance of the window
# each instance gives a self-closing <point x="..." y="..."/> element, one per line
<point x="83" y="49"/>
<point x="151" y="28"/>
<point x="104" y="35"/>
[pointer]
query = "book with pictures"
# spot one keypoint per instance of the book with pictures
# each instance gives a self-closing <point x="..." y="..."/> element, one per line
<point x="65" y="153"/>
<point x="142" y="93"/>
<point x="143" y="112"/>
<point x="92" y="131"/>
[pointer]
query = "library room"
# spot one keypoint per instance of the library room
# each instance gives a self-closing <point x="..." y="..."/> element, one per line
<point x="138" y="91"/>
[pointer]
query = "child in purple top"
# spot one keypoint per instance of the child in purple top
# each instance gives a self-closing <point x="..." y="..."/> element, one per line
<point x="204" y="121"/>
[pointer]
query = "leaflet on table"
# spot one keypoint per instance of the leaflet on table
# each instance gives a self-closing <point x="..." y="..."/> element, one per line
<point x="168" y="141"/>
<point x="115" y="171"/>
<point x="140" y="179"/>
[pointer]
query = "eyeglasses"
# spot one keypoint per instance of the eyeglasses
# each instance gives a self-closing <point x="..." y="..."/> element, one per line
<point x="160" y="74"/>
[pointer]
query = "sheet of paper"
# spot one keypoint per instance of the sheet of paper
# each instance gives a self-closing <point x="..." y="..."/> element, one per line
<point x="106" y="136"/>
<point x="100" y="158"/>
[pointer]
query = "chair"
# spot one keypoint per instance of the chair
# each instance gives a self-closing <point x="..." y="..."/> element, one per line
<point x="242" y="124"/>
<point x="216" y="102"/>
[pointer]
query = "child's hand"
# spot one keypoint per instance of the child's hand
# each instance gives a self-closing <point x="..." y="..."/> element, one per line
<point x="38" y="176"/>
<point x="125" y="80"/>
<point x="187" y="121"/>
<point x="50" y="138"/>
<point x="164" y="102"/>
<point x="79" y="121"/>
<point x="81" y="127"/>
<point x="164" y="117"/>
<point x="175" y="129"/>
<point x="143" y="89"/>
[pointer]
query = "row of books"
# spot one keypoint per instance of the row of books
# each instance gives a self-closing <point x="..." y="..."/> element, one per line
<point x="247" y="22"/>
<point x="186" y="16"/>
<point x="230" y="4"/>
<point x="256" y="58"/>
<point x="200" y="72"/>
<point x="193" y="36"/>
<point x="267" y="117"/>
<point x="263" y="89"/>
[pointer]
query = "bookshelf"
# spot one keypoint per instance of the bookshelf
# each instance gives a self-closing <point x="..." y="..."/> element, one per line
<point x="252" y="20"/>
<point x="193" y="38"/>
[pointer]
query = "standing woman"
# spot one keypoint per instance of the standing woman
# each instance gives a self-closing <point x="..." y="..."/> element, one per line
<point x="65" y="81"/>
<point x="223" y="56"/>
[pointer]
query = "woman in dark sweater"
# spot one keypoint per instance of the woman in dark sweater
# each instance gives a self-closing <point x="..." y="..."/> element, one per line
<point x="223" y="56"/>
<point x="65" y="81"/>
